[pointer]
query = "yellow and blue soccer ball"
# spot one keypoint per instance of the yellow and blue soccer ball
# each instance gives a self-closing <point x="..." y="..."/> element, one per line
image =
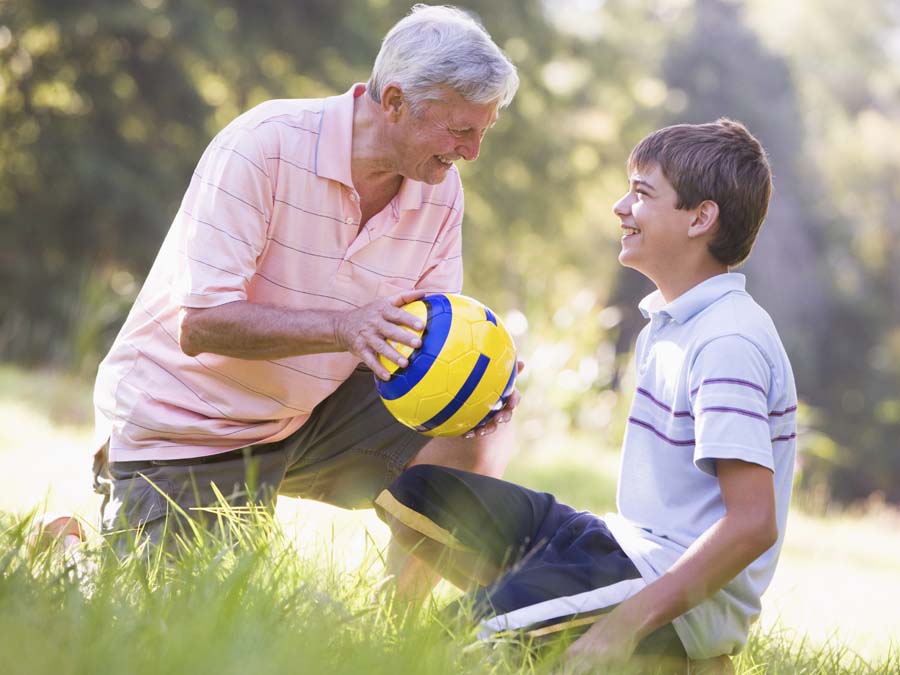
<point x="462" y="374"/>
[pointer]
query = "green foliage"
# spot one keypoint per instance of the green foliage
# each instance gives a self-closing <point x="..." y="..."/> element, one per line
<point x="106" y="106"/>
<point x="844" y="70"/>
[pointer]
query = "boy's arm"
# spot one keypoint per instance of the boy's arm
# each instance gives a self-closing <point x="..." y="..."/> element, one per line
<point x="746" y="531"/>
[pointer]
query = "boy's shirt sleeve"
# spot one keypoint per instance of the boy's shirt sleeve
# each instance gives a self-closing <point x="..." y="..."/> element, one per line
<point x="730" y="381"/>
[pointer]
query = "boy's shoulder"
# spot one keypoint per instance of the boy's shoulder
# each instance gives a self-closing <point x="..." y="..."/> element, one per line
<point x="720" y="307"/>
<point x="740" y="314"/>
<point x="736" y="313"/>
<point x="721" y="312"/>
<point x="736" y="331"/>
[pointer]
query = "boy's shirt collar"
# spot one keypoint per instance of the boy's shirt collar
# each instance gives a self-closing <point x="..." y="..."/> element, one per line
<point x="701" y="296"/>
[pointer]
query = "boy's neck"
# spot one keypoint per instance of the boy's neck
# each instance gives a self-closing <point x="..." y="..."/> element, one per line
<point x="671" y="289"/>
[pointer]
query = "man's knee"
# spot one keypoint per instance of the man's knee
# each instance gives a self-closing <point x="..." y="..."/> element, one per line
<point x="487" y="455"/>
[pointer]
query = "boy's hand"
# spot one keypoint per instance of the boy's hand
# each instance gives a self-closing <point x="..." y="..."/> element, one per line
<point x="606" y="647"/>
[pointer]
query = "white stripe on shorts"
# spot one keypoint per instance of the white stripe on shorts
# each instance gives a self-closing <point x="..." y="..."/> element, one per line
<point x="566" y="606"/>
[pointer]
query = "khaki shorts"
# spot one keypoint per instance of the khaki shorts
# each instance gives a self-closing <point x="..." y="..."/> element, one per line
<point x="349" y="450"/>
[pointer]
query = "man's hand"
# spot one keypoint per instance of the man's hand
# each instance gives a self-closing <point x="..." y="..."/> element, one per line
<point x="503" y="415"/>
<point x="606" y="647"/>
<point x="365" y="331"/>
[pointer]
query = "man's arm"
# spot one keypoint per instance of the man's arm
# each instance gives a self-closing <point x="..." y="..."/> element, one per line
<point x="746" y="531"/>
<point x="247" y="330"/>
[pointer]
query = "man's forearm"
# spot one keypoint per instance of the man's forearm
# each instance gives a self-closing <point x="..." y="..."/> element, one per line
<point x="247" y="330"/>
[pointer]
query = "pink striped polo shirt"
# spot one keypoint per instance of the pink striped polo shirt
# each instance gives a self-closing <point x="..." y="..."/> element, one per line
<point x="270" y="216"/>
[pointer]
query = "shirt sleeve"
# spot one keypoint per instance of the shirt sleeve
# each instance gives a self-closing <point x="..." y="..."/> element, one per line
<point x="226" y="213"/>
<point x="444" y="269"/>
<point x="730" y="380"/>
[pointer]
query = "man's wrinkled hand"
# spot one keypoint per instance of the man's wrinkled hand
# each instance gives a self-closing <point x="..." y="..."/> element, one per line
<point x="365" y="331"/>
<point x="503" y="415"/>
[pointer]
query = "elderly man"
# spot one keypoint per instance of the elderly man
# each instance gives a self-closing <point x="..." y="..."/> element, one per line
<point x="247" y="358"/>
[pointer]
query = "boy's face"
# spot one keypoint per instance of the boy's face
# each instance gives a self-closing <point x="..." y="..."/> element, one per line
<point x="655" y="235"/>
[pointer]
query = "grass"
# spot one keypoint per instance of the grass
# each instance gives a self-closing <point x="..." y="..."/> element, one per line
<point x="299" y="593"/>
<point x="241" y="602"/>
<point x="247" y="600"/>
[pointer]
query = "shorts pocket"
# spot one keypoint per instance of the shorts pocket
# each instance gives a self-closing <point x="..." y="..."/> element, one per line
<point x="134" y="502"/>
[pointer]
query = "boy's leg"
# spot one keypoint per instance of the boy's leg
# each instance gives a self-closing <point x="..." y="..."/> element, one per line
<point x="580" y="574"/>
<point x="556" y="570"/>
<point x="468" y="527"/>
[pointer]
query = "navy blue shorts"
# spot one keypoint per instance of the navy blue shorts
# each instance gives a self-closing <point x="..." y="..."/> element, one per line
<point x="562" y="567"/>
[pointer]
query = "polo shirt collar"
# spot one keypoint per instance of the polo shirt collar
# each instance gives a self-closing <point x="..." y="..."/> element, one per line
<point x="701" y="296"/>
<point x="334" y="148"/>
<point x="335" y="143"/>
<point x="411" y="195"/>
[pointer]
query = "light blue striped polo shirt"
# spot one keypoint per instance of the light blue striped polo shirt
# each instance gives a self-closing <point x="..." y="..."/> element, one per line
<point x="713" y="382"/>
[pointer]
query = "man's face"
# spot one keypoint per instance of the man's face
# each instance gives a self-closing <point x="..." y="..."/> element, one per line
<point x="427" y="143"/>
<point x="654" y="232"/>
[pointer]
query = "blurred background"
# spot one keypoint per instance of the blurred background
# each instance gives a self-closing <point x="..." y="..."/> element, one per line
<point x="106" y="106"/>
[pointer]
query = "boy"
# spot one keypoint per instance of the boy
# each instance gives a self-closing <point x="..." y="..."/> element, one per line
<point x="707" y="458"/>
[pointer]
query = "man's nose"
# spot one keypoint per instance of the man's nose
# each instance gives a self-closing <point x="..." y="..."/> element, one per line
<point x="471" y="148"/>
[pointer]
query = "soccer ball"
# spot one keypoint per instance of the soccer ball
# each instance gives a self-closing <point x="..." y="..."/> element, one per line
<point x="462" y="374"/>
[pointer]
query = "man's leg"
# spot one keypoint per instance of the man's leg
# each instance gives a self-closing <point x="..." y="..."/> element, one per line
<point x="351" y="448"/>
<point x="155" y="501"/>
<point x="487" y="455"/>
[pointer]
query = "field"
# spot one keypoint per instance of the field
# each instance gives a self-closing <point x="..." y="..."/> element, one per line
<point x="304" y="598"/>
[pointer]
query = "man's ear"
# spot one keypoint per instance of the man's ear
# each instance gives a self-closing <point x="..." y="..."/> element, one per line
<point x="706" y="219"/>
<point x="393" y="102"/>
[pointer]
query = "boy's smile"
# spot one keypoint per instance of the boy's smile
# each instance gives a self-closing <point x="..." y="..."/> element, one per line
<point x="652" y="228"/>
<point x="659" y="240"/>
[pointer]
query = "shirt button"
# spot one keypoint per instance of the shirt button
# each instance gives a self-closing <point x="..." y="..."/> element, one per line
<point x="349" y="220"/>
<point x="354" y="197"/>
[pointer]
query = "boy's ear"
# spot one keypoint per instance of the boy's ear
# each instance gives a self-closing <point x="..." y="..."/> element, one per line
<point x="706" y="220"/>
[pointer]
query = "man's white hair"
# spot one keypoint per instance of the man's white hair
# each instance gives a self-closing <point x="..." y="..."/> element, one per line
<point x="442" y="46"/>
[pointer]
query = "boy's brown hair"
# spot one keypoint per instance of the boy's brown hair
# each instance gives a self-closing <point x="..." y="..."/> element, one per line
<point x="720" y="161"/>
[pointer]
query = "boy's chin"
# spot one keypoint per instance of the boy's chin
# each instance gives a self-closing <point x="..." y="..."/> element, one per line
<point x="626" y="260"/>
